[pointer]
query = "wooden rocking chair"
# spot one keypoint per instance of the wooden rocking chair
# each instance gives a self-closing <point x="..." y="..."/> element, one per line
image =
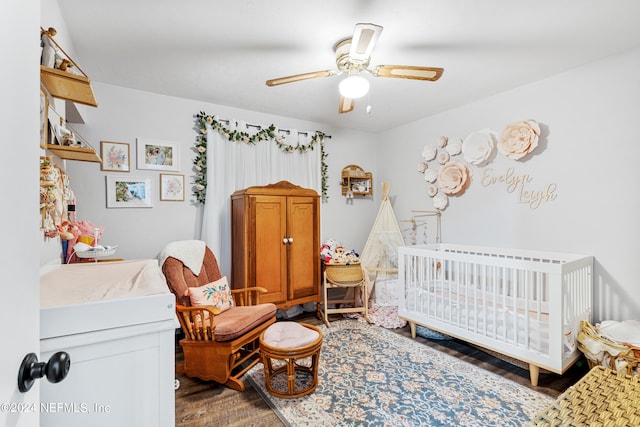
<point x="218" y="346"/>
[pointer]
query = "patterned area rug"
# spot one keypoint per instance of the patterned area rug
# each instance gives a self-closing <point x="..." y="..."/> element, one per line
<point x="371" y="376"/>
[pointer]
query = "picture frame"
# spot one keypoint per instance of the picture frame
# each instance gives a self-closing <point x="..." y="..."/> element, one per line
<point x="172" y="187"/>
<point x="157" y="155"/>
<point x="115" y="156"/>
<point x="128" y="192"/>
<point x="44" y="118"/>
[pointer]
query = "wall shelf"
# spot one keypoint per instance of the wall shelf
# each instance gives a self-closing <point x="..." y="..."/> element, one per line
<point x="74" y="153"/>
<point x="355" y="181"/>
<point x="61" y="76"/>
<point x="67" y="86"/>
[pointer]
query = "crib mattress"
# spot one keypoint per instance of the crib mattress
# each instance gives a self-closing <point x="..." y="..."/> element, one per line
<point x="527" y="329"/>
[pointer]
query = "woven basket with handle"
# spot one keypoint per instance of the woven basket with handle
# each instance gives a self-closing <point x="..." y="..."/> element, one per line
<point x="344" y="273"/>
<point x="618" y="357"/>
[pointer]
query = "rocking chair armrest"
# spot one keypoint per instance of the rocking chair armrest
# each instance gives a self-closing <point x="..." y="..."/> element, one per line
<point x="197" y="322"/>
<point x="210" y="308"/>
<point x="248" y="296"/>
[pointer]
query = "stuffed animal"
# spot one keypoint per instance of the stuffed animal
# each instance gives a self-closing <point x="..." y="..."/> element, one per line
<point x="332" y="252"/>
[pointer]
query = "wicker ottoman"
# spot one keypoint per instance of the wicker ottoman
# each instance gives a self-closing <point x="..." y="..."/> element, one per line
<point x="290" y="351"/>
<point x="603" y="397"/>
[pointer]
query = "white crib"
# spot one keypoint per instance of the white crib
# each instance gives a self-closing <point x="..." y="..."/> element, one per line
<point x="523" y="304"/>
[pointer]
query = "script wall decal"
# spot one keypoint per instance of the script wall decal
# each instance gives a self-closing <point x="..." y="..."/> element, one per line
<point x="520" y="185"/>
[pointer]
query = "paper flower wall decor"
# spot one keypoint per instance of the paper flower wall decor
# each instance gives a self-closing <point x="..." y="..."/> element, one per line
<point x="445" y="176"/>
<point x="443" y="157"/>
<point x="454" y="146"/>
<point x="430" y="175"/>
<point x="453" y="178"/>
<point x="440" y="200"/>
<point x="429" y="152"/>
<point x="518" y="139"/>
<point x="448" y="175"/>
<point x="478" y="147"/>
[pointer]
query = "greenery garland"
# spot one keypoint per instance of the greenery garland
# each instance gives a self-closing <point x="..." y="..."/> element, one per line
<point x="265" y="134"/>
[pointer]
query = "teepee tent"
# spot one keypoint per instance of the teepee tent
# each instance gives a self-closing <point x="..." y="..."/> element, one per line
<point x="379" y="258"/>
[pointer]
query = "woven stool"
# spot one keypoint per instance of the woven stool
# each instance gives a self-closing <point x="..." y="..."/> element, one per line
<point x="283" y="347"/>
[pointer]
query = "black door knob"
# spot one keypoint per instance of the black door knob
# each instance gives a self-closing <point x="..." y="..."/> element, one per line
<point x="56" y="369"/>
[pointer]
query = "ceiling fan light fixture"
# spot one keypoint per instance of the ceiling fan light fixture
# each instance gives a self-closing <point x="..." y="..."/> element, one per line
<point x="354" y="87"/>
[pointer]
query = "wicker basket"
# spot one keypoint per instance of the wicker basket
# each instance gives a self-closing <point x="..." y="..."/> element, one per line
<point x="344" y="273"/>
<point x="603" y="397"/>
<point x="619" y="357"/>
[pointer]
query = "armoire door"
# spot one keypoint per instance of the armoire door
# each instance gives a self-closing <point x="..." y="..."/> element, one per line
<point x="303" y="248"/>
<point x="270" y="248"/>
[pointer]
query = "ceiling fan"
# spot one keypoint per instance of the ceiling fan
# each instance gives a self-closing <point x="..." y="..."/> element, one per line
<point x="353" y="55"/>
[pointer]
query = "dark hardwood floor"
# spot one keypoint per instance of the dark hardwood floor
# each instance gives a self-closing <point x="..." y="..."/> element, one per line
<point x="204" y="403"/>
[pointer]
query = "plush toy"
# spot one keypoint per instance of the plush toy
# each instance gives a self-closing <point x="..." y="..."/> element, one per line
<point x="332" y="252"/>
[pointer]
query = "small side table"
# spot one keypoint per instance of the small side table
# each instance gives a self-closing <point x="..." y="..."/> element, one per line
<point x="283" y="346"/>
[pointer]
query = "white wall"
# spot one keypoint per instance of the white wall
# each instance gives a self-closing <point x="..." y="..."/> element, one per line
<point x="125" y="114"/>
<point x="19" y="104"/>
<point x="590" y="151"/>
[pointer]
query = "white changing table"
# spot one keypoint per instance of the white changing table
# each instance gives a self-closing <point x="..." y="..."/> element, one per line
<point x="117" y="322"/>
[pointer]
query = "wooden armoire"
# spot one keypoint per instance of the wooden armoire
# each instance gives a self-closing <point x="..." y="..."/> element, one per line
<point x="275" y="242"/>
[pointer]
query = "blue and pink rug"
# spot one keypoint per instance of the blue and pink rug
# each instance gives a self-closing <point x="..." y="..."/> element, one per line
<point x="370" y="376"/>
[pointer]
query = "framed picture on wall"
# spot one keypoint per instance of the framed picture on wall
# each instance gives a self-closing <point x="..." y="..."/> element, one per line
<point x="171" y="187"/>
<point x="115" y="156"/>
<point x="44" y="118"/>
<point x="128" y="192"/>
<point x="157" y="155"/>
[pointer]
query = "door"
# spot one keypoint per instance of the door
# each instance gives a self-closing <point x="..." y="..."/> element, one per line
<point x="21" y="240"/>
<point x="270" y="247"/>
<point x="304" y="256"/>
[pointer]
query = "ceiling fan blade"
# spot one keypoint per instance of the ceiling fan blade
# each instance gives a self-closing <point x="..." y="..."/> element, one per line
<point x="346" y="105"/>
<point x="363" y="41"/>
<point x="299" y="77"/>
<point x="408" y="72"/>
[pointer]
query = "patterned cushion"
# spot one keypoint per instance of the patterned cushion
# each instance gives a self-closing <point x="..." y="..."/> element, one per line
<point x="217" y="294"/>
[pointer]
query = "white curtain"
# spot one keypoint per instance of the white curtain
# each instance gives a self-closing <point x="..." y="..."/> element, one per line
<point x="234" y="165"/>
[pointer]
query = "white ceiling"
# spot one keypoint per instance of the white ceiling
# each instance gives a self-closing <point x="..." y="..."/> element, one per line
<point x="223" y="51"/>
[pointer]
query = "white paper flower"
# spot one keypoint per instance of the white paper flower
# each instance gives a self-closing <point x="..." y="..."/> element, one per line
<point x="519" y="139"/>
<point x="440" y="200"/>
<point x="454" y="147"/>
<point x="429" y="152"/>
<point x="478" y="147"/>
<point x="442" y="141"/>
<point x="430" y="175"/>
<point x="443" y="157"/>
<point x="453" y="178"/>
<point x="432" y="190"/>
<point x="422" y="166"/>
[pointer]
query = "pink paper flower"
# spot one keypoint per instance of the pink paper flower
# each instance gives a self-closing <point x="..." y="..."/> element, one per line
<point x="453" y="178"/>
<point x="443" y="157"/>
<point x="422" y="166"/>
<point x="519" y="139"/>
